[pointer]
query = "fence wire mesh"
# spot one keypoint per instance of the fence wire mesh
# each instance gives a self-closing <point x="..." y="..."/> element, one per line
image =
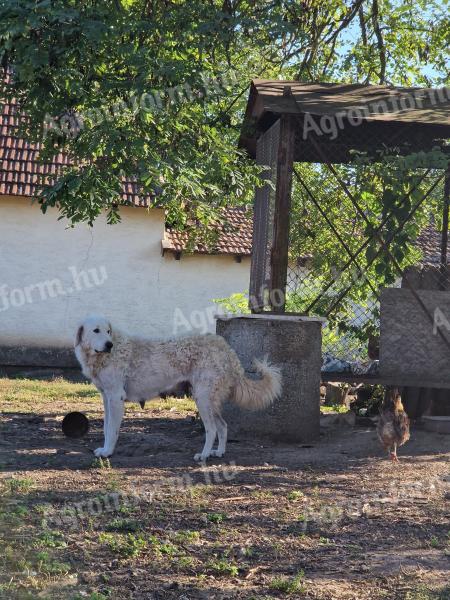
<point x="337" y="275"/>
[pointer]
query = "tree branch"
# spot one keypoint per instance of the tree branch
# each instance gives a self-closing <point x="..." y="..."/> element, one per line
<point x="380" y="41"/>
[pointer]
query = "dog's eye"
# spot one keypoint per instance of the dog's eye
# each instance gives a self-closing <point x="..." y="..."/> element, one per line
<point x="97" y="330"/>
<point x="109" y="332"/>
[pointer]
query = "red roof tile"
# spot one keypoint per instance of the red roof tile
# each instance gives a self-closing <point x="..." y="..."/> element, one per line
<point x="21" y="170"/>
<point x="234" y="235"/>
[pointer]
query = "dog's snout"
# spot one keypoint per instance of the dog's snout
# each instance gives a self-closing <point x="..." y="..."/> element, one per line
<point x="108" y="346"/>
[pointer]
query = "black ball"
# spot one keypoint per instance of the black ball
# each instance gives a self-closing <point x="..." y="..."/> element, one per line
<point x="75" y="425"/>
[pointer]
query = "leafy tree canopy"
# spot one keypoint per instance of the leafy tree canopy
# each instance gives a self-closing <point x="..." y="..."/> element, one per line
<point x="155" y="89"/>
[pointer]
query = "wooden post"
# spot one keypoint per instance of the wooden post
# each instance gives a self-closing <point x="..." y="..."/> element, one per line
<point x="282" y="208"/>
<point x="444" y="238"/>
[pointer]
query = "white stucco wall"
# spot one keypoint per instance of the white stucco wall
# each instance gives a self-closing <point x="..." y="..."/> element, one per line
<point x="114" y="270"/>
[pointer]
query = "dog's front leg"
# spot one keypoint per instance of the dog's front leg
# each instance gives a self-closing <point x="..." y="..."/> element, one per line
<point x="114" y="410"/>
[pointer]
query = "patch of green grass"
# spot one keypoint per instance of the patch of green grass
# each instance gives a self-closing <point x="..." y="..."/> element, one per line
<point x="100" y="463"/>
<point x="216" y="517"/>
<point x="50" y="539"/>
<point x="13" y="515"/>
<point x="112" y="480"/>
<point x="19" y="510"/>
<point x="127" y="509"/>
<point x="335" y="408"/>
<point x="126" y="546"/>
<point x="200" y="490"/>
<point x="124" y="525"/>
<point x="262" y="494"/>
<point x="93" y="596"/>
<point x="248" y="551"/>
<point x="423" y="592"/>
<point x="435" y="542"/>
<point x="324" y="541"/>
<point x="185" y="562"/>
<point x="21" y="395"/>
<point x="16" y="485"/>
<point x="162" y="547"/>
<point x="289" y="585"/>
<point x="223" y="566"/>
<point x="295" y="495"/>
<point x="48" y="566"/>
<point x="186" y="536"/>
<point x="180" y="404"/>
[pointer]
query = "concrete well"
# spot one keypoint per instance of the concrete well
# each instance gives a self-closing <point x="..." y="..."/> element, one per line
<point x="294" y="344"/>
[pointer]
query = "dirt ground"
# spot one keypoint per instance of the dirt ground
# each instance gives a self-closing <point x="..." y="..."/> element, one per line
<point x="333" y="520"/>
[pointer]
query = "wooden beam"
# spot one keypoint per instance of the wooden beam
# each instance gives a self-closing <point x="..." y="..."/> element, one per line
<point x="444" y="238"/>
<point x="282" y="208"/>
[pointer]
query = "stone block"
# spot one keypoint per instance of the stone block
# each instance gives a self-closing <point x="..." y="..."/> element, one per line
<point x="294" y="344"/>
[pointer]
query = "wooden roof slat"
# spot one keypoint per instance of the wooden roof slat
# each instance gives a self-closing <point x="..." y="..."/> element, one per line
<point x="432" y="106"/>
<point x="417" y="116"/>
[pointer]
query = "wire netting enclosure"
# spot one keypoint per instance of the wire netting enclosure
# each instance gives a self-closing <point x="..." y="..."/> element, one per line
<point x="343" y="209"/>
<point x="339" y="275"/>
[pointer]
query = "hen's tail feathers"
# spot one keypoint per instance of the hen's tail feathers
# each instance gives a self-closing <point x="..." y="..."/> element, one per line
<point x="255" y="394"/>
<point x="401" y="427"/>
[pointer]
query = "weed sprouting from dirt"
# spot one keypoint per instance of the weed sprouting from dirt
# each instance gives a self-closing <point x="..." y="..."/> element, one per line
<point x="126" y="546"/>
<point x="289" y="585"/>
<point x="18" y="485"/>
<point x="223" y="566"/>
<point x="216" y="517"/>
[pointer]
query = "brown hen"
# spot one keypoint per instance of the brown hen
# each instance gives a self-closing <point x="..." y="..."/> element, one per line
<point x="393" y="425"/>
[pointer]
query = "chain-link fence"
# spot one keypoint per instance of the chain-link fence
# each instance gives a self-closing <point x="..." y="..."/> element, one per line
<point x="342" y="283"/>
<point x="351" y="257"/>
<point x="351" y="332"/>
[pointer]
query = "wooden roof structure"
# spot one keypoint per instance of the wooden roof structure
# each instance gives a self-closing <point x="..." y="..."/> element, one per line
<point x="347" y="117"/>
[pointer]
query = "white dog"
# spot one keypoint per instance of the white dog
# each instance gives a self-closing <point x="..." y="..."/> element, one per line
<point x="135" y="369"/>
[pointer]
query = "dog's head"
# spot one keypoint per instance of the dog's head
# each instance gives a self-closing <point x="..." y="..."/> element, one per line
<point x="94" y="335"/>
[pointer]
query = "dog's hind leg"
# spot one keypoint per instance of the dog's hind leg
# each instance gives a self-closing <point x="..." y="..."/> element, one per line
<point x="222" y="435"/>
<point x="209" y="422"/>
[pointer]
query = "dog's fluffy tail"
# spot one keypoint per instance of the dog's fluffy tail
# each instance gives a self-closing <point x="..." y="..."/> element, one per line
<point x="255" y="394"/>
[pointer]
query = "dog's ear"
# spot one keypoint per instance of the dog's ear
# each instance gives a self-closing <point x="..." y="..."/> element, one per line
<point x="79" y="335"/>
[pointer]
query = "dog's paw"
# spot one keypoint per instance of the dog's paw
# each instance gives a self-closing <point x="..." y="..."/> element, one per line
<point x="200" y="457"/>
<point x="217" y="454"/>
<point x="102" y="453"/>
